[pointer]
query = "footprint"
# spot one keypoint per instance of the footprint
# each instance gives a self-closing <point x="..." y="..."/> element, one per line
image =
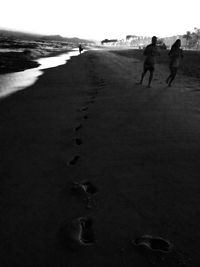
<point x="79" y="232"/>
<point x="153" y="243"/>
<point x="78" y="127"/>
<point x="74" y="160"/>
<point x="87" y="189"/>
<point x="89" y="102"/>
<point x="78" y="141"/>
<point x="84" y="108"/>
<point x="163" y="252"/>
<point x="102" y="84"/>
<point x="85" y="117"/>
<point x="87" y="232"/>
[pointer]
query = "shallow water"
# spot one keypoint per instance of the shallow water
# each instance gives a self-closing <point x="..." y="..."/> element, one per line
<point x="12" y="82"/>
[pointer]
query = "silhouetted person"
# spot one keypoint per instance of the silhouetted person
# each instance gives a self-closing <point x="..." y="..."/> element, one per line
<point x="151" y="51"/>
<point x="80" y="48"/>
<point x="175" y="54"/>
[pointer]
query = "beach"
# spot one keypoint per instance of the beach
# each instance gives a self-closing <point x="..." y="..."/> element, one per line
<point x="90" y="121"/>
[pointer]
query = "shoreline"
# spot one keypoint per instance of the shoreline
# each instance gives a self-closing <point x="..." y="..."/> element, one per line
<point x="137" y="146"/>
<point x="19" y="61"/>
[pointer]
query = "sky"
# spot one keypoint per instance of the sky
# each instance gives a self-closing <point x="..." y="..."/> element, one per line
<point x="98" y="20"/>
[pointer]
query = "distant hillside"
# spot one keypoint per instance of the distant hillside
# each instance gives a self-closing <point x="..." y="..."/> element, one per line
<point x="65" y="39"/>
<point x="17" y="34"/>
<point x="31" y="37"/>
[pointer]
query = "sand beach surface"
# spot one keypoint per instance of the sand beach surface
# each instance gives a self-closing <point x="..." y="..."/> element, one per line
<point x="90" y="121"/>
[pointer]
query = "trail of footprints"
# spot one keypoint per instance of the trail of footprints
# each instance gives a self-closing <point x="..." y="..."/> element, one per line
<point x="80" y="231"/>
<point x="78" y="141"/>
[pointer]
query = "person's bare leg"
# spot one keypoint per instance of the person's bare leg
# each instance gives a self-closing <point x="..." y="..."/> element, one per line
<point x="173" y="75"/>
<point x="142" y="77"/>
<point x="171" y="80"/>
<point x="150" y="78"/>
<point x="168" y="78"/>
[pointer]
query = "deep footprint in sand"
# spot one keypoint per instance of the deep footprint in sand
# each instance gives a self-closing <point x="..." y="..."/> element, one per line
<point x="84" y="109"/>
<point x="85" y="117"/>
<point x="87" y="189"/>
<point x="78" y="232"/>
<point x="102" y="83"/>
<point x="77" y="128"/>
<point x="153" y="243"/>
<point x="87" y="232"/>
<point x="74" y="160"/>
<point x="78" y="141"/>
<point x="89" y="102"/>
<point x="162" y="251"/>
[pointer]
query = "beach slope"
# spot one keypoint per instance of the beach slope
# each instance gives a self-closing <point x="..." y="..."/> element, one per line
<point x="90" y="121"/>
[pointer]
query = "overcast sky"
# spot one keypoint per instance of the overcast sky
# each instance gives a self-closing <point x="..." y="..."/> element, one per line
<point x="101" y="19"/>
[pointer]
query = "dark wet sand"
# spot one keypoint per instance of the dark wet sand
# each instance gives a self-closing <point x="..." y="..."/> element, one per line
<point x="138" y="146"/>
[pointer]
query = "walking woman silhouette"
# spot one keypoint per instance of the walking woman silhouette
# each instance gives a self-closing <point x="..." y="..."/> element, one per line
<point x="175" y="55"/>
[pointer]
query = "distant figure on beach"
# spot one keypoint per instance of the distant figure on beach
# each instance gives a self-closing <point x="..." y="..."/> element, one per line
<point x="80" y="48"/>
<point x="175" y="55"/>
<point x="151" y="51"/>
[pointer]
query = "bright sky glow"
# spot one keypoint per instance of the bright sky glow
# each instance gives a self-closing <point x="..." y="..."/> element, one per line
<point x="92" y="19"/>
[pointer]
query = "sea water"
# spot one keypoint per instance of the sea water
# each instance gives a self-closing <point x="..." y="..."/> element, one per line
<point x="12" y="82"/>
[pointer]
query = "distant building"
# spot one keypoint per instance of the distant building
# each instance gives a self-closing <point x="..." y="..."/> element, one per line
<point x="130" y="38"/>
<point x="137" y="41"/>
<point x="109" y="42"/>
